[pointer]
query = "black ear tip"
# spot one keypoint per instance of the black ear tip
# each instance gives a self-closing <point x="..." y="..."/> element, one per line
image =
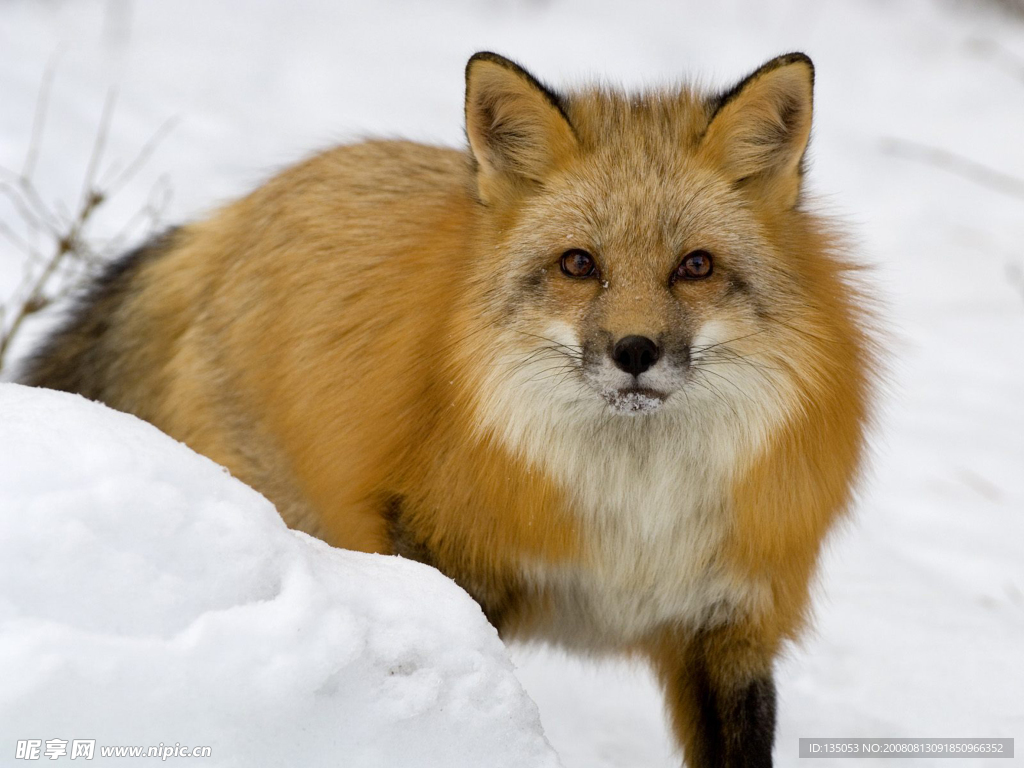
<point x="490" y="57"/>
<point x="797" y="57"/>
<point x="483" y="56"/>
<point x="787" y="60"/>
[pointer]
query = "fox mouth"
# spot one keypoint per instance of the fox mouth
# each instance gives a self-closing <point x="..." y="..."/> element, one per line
<point x="634" y="400"/>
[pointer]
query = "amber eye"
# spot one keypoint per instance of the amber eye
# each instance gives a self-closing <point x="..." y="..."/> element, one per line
<point x="696" y="266"/>
<point x="578" y="263"/>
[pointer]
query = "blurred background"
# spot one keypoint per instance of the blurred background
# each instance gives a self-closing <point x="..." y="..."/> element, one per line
<point x="118" y="117"/>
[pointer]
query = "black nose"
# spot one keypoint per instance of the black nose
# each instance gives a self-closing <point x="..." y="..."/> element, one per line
<point x="635" y="354"/>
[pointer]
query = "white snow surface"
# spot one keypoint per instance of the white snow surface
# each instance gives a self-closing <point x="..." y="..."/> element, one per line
<point x="148" y="598"/>
<point x="920" y="613"/>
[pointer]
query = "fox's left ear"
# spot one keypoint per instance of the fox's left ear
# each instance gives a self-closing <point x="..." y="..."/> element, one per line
<point x="516" y="127"/>
<point x="759" y="130"/>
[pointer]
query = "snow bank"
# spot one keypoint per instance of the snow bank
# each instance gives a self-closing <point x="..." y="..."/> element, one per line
<point x="147" y="597"/>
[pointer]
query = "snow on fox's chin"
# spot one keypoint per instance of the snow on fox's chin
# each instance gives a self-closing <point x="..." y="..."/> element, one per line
<point x="633" y="402"/>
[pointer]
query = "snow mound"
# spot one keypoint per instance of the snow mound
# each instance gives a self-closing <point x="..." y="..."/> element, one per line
<point x="147" y="597"/>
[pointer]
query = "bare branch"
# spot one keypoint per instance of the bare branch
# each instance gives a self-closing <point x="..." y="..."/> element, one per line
<point x="36" y="299"/>
<point x="73" y="258"/>
<point x="956" y="164"/>
<point x="142" y="158"/>
<point x="998" y="54"/>
<point x="39" y="118"/>
<point x="1015" y="274"/>
<point x="18" y="242"/>
<point x="89" y="192"/>
<point x="36" y="217"/>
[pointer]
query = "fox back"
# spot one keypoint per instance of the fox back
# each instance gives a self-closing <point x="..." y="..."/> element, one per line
<point x="605" y="368"/>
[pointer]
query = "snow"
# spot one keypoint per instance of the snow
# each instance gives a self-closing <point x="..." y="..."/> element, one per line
<point x="632" y="403"/>
<point x="147" y="597"/>
<point x="920" y="619"/>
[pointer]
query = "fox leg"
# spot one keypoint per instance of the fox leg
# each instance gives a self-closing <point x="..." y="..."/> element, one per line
<point x="720" y="693"/>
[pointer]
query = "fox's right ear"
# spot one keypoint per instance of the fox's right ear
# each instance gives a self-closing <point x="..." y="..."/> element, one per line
<point x="516" y="127"/>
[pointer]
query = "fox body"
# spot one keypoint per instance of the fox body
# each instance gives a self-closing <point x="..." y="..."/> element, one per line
<point x="604" y="369"/>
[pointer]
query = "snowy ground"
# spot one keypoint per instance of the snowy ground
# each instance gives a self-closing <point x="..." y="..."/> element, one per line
<point x="147" y="598"/>
<point x="920" y="627"/>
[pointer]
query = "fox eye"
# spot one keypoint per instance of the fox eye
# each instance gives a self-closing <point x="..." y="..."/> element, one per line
<point x="695" y="266"/>
<point x="578" y="263"/>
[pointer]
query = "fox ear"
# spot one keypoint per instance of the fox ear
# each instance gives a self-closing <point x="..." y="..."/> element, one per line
<point x="516" y="127"/>
<point x="759" y="130"/>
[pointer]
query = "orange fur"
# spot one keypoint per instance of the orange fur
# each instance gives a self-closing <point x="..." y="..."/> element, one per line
<point x="367" y="339"/>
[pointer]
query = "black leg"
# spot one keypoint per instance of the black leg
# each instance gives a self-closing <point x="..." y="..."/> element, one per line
<point x="736" y="724"/>
<point x="721" y="696"/>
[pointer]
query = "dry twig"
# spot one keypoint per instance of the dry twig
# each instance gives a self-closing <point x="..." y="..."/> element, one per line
<point x="72" y="258"/>
<point x="956" y="164"/>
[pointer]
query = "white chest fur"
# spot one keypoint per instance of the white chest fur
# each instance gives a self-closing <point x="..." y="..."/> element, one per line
<point x="654" y="516"/>
<point x="651" y="492"/>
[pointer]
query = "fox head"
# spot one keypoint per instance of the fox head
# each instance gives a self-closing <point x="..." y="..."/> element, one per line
<point x="650" y="255"/>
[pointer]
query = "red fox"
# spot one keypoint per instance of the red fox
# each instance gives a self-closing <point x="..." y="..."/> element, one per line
<point x="605" y="368"/>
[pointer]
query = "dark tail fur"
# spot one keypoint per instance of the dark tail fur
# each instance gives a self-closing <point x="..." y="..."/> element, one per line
<point x="82" y="354"/>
